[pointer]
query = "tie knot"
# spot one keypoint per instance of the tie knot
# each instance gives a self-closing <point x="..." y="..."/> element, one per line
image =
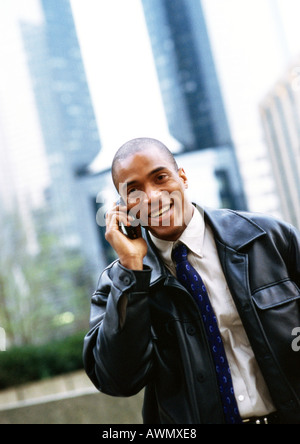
<point x="180" y="253"/>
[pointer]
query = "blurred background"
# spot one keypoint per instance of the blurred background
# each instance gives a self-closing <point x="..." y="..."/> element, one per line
<point x="218" y="81"/>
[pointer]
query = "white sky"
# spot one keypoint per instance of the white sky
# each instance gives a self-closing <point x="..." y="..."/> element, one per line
<point x="255" y="43"/>
<point x="123" y="82"/>
<point x="252" y="41"/>
<point x="21" y="144"/>
<point x="247" y="36"/>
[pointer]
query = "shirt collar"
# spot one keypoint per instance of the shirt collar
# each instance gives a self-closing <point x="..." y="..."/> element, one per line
<point x="192" y="237"/>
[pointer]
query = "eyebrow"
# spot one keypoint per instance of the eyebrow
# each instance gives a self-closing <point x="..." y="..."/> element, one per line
<point x="157" y="170"/>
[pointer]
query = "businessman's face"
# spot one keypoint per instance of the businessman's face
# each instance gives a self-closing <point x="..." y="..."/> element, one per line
<point x="155" y="192"/>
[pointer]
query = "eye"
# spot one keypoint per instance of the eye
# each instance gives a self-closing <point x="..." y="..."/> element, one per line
<point x="161" y="177"/>
<point x="134" y="194"/>
<point x="132" y="190"/>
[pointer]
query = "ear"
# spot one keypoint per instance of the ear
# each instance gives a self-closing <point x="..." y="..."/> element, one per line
<point x="182" y="175"/>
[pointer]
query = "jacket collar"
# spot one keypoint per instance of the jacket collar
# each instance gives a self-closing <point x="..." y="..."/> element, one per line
<point x="152" y="259"/>
<point x="233" y="229"/>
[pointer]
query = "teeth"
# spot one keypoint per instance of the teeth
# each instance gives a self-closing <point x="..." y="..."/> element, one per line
<point x="161" y="211"/>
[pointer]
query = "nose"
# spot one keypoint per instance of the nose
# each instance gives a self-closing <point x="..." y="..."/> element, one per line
<point x="152" y="194"/>
<point x="145" y="198"/>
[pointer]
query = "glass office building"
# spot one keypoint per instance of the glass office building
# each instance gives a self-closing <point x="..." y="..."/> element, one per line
<point x="281" y="123"/>
<point x="67" y="122"/>
<point x="190" y="89"/>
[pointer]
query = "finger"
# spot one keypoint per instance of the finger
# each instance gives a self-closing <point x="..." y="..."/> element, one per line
<point x="116" y="218"/>
<point x="117" y="206"/>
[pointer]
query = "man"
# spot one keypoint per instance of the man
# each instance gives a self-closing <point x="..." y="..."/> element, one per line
<point x="148" y="328"/>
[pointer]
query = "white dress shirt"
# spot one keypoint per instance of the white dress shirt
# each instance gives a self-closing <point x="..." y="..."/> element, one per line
<point x="250" y="389"/>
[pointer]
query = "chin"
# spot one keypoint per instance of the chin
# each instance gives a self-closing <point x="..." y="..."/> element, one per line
<point x="167" y="233"/>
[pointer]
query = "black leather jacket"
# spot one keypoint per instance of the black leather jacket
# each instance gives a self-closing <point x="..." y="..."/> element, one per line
<point x="162" y="345"/>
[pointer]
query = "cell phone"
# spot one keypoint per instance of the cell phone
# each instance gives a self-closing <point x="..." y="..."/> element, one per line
<point x="133" y="232"/>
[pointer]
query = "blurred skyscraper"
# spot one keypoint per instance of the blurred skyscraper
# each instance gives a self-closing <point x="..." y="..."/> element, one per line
<point x="68" y="84"/>
<point x="21" y="144"/>
<point x="280" y="112"/>
<point x="67" y="121"/>
<point x="190" y="88"/>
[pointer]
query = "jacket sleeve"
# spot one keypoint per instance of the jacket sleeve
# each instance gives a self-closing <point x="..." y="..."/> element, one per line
<point x="294" y="255"/>
<point x="118" y="348"/>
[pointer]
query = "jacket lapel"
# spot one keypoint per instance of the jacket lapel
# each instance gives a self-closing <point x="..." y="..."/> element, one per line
<point x="153" y="260"/>
<point x="233" y="232"/>
<point x="233" y="229"/>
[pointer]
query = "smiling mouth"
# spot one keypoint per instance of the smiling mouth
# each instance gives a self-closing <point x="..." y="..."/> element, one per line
<point x="161" y="212"/>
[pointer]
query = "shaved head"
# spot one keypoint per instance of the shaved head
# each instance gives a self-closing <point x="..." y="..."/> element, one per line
<point x="137" y="146"/>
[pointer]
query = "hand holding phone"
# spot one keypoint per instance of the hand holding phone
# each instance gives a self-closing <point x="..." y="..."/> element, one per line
<point x="126" y="240"/>
<point x="133" y="232"/>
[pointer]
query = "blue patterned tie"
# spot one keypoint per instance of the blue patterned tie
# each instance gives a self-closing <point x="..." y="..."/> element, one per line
<point x="192" y="281"/>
